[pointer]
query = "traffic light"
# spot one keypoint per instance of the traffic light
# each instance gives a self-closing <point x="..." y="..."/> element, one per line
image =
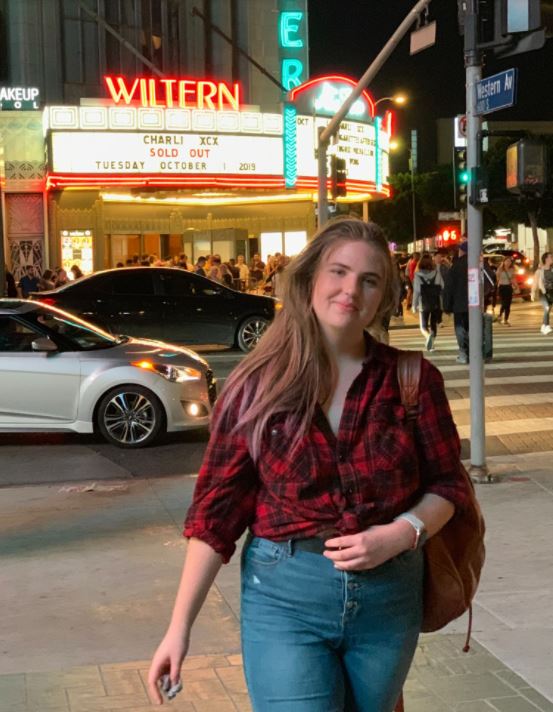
<point x="461" y="177"/>
<point x="338" y="176"/>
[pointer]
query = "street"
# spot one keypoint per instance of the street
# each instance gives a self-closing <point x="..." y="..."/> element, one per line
<point x="519" y="411"/>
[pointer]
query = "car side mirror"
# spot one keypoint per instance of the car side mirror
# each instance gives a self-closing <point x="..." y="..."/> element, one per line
<point x="44" y="343"/>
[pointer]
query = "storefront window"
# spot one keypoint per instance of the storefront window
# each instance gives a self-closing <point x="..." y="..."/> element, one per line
<point x="271" y="242"/>
<point x="294" y="242"/>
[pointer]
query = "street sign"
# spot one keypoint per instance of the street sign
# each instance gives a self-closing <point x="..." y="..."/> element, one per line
<point x="495" y="92"/>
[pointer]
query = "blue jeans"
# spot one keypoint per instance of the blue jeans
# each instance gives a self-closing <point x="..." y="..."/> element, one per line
<point x="461" y="325"/>
<point x="316" y="639"/>
<point x="546" y="309"/>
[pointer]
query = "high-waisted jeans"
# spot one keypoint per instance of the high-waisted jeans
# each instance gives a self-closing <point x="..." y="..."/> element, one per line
<point x="316" y="639"/>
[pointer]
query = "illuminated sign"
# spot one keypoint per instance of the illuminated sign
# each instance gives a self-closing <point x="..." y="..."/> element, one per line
<point x="180" y="93"/>
<point x="325" y="95"/>
<point x="165" y="153"/>
<point x="293" y="45"/>
<point x="19" y="98"/>
<point x="76" y="249"/>
<point x="357" y="144"/>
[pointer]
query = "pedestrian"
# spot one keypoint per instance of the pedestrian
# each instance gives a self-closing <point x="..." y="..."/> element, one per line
<point x="244" y="272"/>
<point x="427" y="298"/>
<point x="11" y="287"/>
<point x="200" y="267"/>
<point x="76" y="272"/>
<point x="46" y="281"/>
<point x="309" y="449"/>
<point x="29" y="282"/>
<point x="490" y="285"/>
<point x="506" y="286"/>
<point x="61" y="277"/>
<point x="455" y="301"/>
<point x="543" y="280"/>
<point x="410" y="277"/>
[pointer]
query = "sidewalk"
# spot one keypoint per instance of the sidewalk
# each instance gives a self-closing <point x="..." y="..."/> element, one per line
<point x="88" y="579"/>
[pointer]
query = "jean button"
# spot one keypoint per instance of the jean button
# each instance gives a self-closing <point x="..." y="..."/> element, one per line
<point x="350" y="604"/>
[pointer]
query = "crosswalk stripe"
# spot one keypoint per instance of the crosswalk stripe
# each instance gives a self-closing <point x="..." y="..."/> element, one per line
<point x="527" y="399"/>
<point x="507" y="427"/>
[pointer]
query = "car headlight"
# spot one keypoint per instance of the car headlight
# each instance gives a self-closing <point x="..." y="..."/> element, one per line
<point x="521" y="270"/>
<point x="530" y="280"/>
<point x="176" y="374"/>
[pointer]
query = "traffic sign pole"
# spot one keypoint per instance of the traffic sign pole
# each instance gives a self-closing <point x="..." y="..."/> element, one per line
<point x="473" y="62"/>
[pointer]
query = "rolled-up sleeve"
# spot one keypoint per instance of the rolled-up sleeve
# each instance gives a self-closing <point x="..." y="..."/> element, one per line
<point x="438" y="441"/>
<point x="225" y="494"/>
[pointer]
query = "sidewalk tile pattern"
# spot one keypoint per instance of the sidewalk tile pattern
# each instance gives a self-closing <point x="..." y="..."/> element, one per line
<point x="442" y="679"/>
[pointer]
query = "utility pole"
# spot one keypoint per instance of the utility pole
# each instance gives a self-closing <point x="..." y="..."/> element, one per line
<point x="473" y="65"/>
<point x="326" y="133"/>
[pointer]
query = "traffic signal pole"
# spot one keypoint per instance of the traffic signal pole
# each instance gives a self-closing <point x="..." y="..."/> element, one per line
<point x="326" y="133"/>
<point x="473" y="64"/>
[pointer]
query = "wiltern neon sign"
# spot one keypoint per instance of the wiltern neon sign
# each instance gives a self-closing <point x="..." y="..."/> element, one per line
<point x="178" y="93"/>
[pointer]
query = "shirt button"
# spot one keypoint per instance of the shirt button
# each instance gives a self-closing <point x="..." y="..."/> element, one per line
<point x="350" y="604"/>
<point x="341" y="457"/>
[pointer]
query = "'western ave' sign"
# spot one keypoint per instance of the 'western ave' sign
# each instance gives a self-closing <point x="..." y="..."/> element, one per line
<point x="495" y="92"/>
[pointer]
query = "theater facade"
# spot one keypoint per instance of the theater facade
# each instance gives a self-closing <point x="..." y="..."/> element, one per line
<point x="164" y="166"/>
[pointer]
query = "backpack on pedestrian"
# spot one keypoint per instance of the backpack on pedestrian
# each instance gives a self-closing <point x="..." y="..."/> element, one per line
<point x="430" y="294"/>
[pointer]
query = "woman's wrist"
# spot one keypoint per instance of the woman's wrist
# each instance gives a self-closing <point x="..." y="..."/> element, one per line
<point x="405" y="534"/>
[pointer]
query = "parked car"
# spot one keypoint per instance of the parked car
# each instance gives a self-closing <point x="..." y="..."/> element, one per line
<point x="521" y="264"/>
<point x="166" y="303"/>
<point x="59" y="373"/>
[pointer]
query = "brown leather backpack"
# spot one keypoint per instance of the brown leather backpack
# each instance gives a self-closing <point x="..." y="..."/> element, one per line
<point x="454" y="557"/>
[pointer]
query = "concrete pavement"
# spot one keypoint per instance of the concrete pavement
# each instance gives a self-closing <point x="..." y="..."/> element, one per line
<point x="88" y="578"/>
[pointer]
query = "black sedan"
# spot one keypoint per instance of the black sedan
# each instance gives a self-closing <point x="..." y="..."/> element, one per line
<point x="169" y="304"/>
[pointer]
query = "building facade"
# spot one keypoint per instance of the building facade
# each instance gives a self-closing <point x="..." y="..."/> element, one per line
<point x="167" y="126"/>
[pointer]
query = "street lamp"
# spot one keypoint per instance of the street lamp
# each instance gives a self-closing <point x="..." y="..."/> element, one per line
<point x="399" y="99"/>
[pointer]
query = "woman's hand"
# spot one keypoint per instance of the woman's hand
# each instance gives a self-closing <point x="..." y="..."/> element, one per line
<point x="369" y="549"/>
<point x="167" y="660"/>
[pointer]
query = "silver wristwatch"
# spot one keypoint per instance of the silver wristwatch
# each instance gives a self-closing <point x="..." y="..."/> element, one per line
<point x="421" y="535"/>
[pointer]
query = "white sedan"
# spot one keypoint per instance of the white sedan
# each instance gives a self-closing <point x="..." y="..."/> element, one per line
<point x="59" y="373"/>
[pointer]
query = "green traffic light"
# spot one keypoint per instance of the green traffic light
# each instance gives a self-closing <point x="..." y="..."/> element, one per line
<point x="464" y="177"/>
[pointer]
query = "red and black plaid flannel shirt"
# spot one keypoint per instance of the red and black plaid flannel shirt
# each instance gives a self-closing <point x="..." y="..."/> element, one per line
<point x="371" y="472"/>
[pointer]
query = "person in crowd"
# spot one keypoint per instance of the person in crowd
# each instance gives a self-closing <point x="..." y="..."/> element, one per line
<point x="234" y="272"/>
<point x="276" y="277"/>
<point x="214" y="274"/>
<point x="11" y="287"/>
<point x="147" y="263"/>
<point x="223" y="273"/>
<point x="61" y="277"/>
<point x="455" y="301"/>
<point x="402" y="289"/>
<point x="136" y="259"/>
<point x="29" y="282"/>
<point x="410" y="275"/>
<point x="303" y="440"/>
<point x="506" y="286"/>
<point x="543" y="281"/>
<point x="257" y="270"/>
<point x="442" y="263"/>
<point x="119" y="265"/>
<point x="490" y="285"/>
<point x="77" y="272"/>
<point x="46" y="281"/>
<point x="427" y="298"/>
<point x="243" y="272"/>
<point x="129" y="262"/>
<point x="183" y="261"/>
<point x="200" y="267"/>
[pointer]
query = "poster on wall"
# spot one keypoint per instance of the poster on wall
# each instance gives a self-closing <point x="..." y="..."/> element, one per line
<point x="76" y="249"/>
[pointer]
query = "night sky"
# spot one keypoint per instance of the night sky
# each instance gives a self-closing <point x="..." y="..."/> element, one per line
<point x="346" y="35"/>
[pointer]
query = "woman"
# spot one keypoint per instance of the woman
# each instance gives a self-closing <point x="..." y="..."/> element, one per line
<point x="61" y="277"/>
<point x="506" y="286"/>
<point x="427" y="295"/>
<point x="77" y="272"/>
<point x="46" y="281"/>
<point x="544" y="280"/>
<point x="309" y="448"/>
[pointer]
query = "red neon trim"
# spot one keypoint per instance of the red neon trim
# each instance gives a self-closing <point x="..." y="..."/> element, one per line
<point x="63" y="180"/>
<point x="389" y="122"/>
<point x="332" y="78"/>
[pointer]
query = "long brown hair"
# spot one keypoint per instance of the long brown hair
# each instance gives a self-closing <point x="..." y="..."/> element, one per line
<point x="290" y="370"/>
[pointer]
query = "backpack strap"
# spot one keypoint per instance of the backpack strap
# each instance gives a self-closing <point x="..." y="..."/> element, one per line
<point x="409" y="375"/>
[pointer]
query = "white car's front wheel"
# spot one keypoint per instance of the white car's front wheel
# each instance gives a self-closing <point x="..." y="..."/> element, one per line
<point x="130" y="417"/>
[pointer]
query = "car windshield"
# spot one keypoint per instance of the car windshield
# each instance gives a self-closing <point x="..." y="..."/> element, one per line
<point x="85" y="336"/>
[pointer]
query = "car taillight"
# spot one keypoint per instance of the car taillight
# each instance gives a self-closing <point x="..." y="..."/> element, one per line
<point x="50" y="301"/>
